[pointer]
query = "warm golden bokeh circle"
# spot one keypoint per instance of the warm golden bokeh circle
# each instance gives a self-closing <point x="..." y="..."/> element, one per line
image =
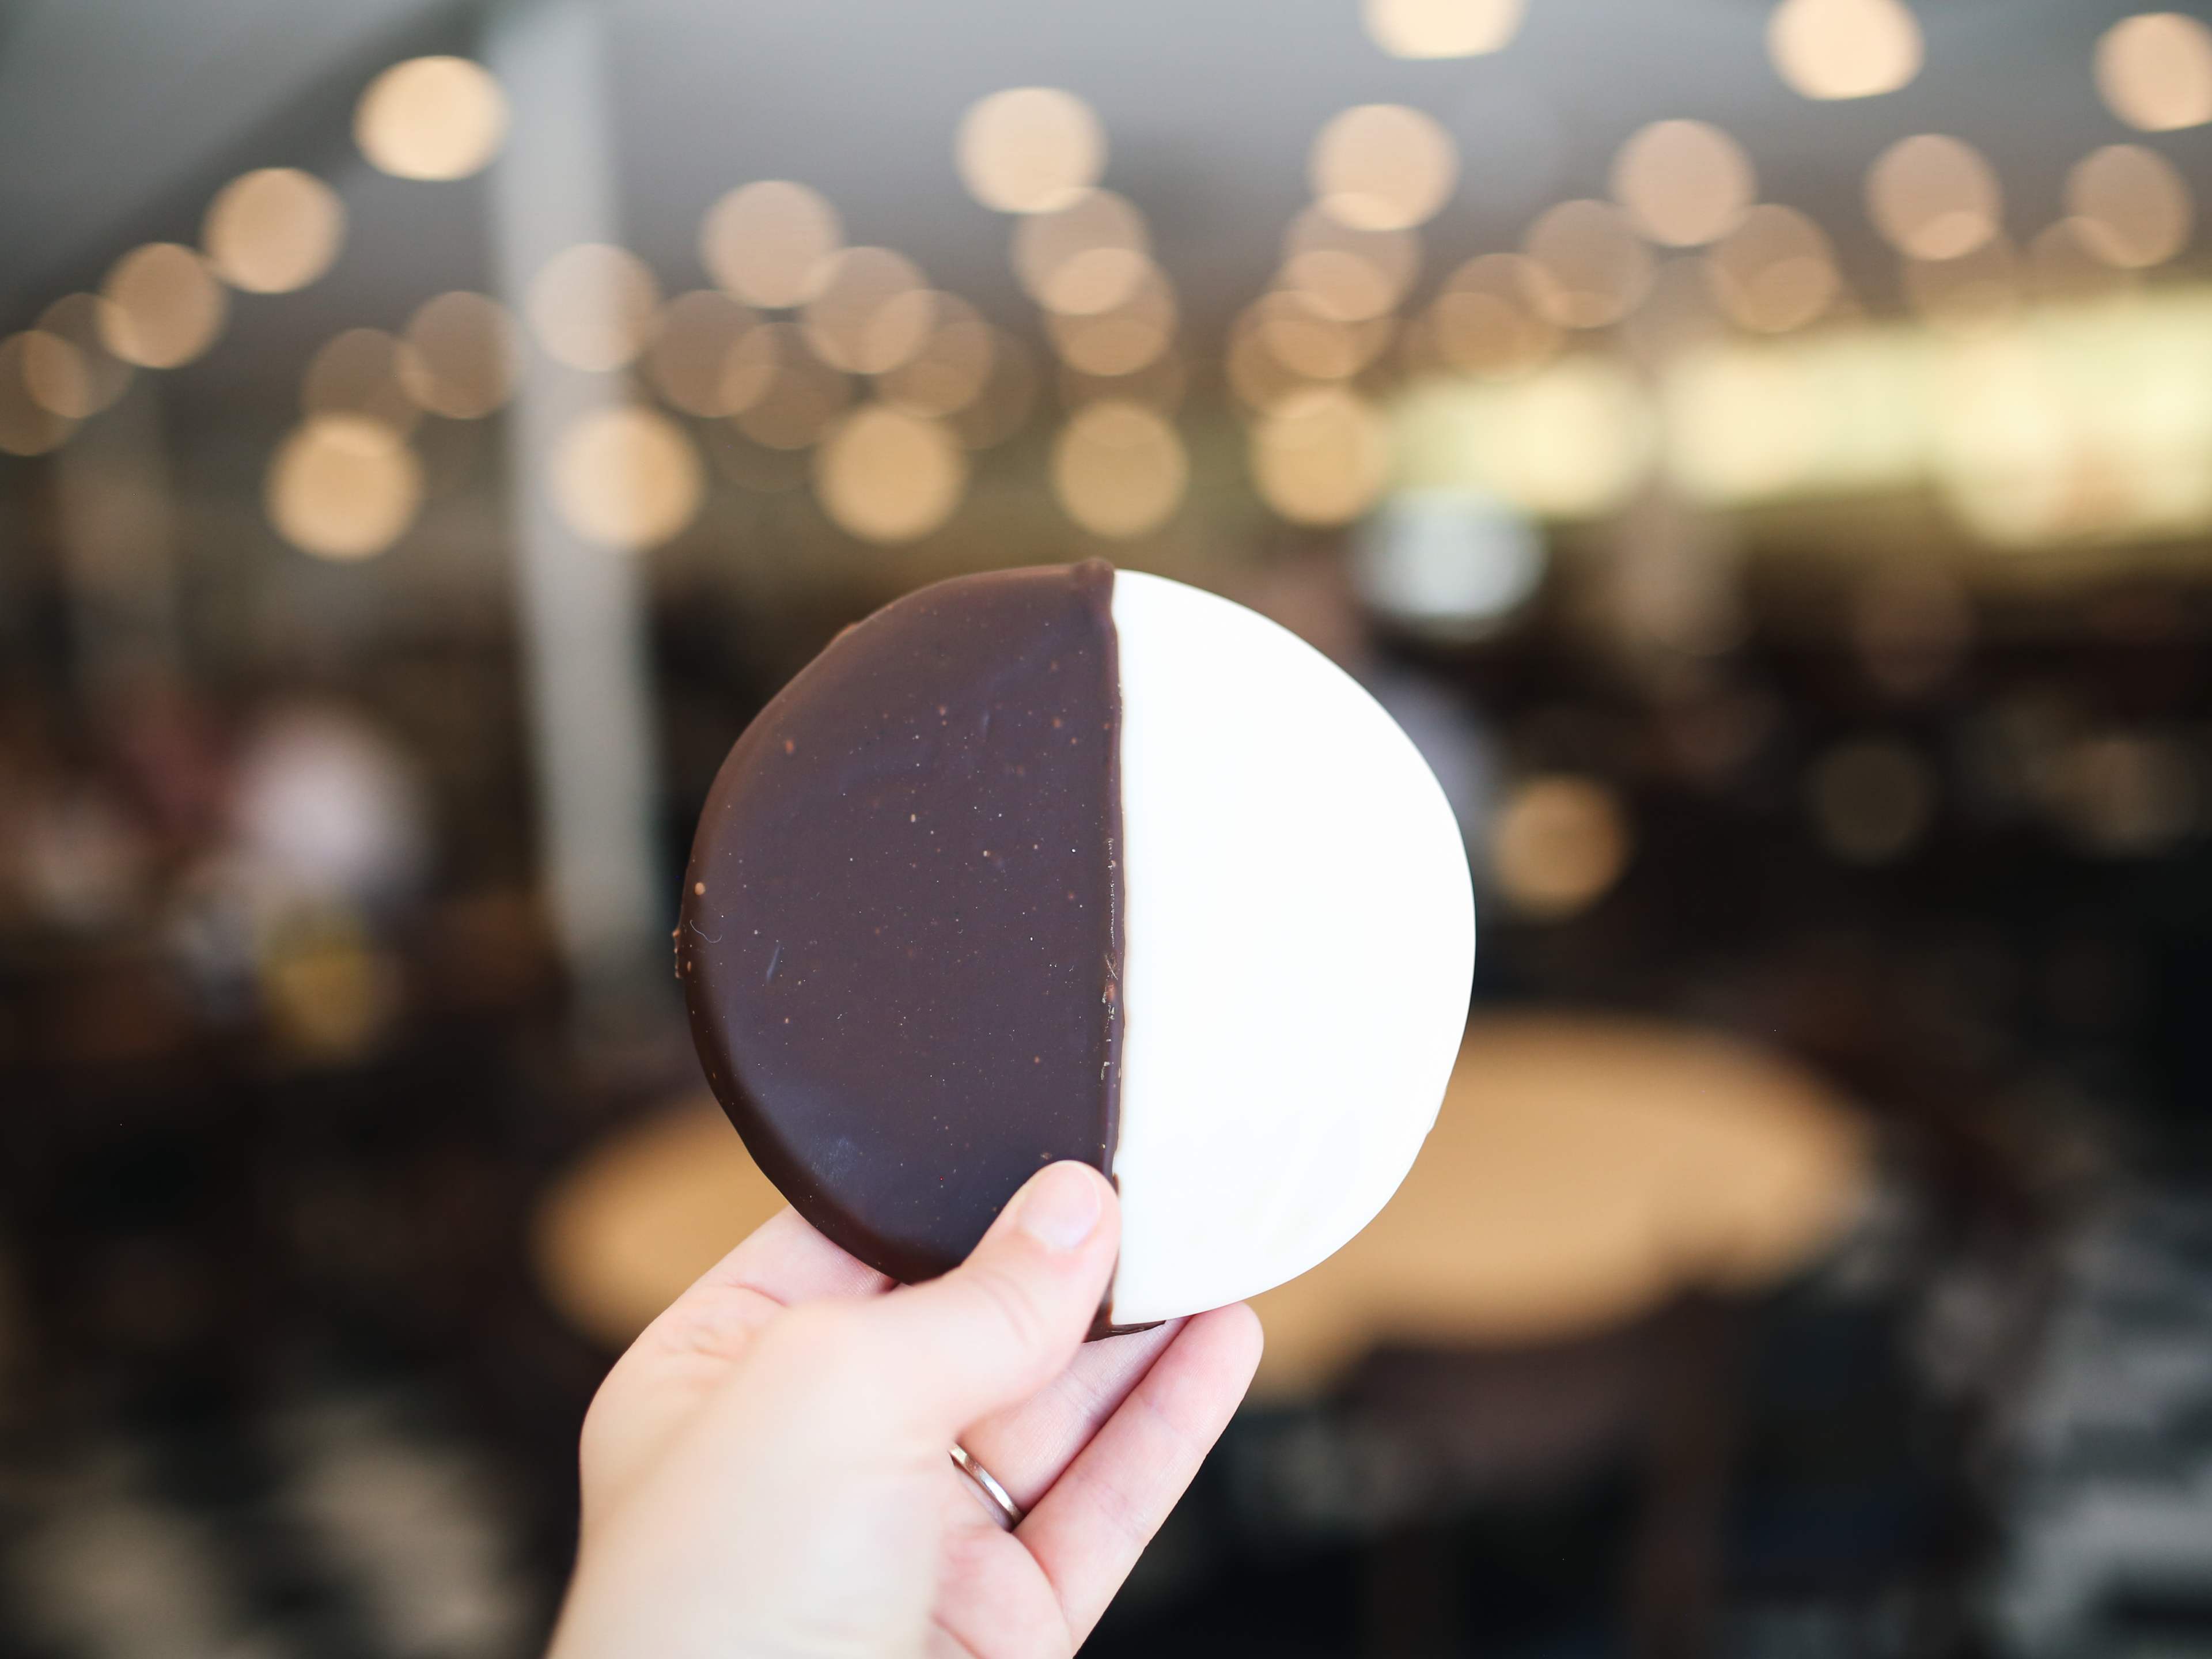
<point x="462" y="354"/>
<point x="870" y="311"/>
<point x="431" y="118"/>
<point x="2154" y="71"/>
<point x="1683" y="183"/>
<point x="1119" y="469"/>
<point x="951" y="367"/>
<point x="1087" y="257"/>
<point x="785" y="397"/>
<point x="593" y="305"/>
<point x="886" y="476"/>
<point x="1830" y="49"/>
<point x="1559" y="845"/>
<point x="1774" y="272"/>
<point x="2132" y="203"/>
<point x="90" y="376"/>
<point x="1383" y="166"/>
<point x="1030" y="149"/>
<point x="1440" y="28"/>
<point x="1587" y="266"/>
<point x="164" y="306"/>
<point x="1320" y="456"/>
<point x="627" y="477"/>
<point x="342" y="487"/>
<point x="688" y="361"/>
<point x="29" y="425"/>
<point x="273" y="230"/>
<point x="1933" y="198"/>
<point x="769" y="242"/>
<point x="363" y="372"/>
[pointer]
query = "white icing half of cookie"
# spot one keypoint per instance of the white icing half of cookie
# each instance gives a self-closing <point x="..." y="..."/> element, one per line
<point x="1299" y="930"/>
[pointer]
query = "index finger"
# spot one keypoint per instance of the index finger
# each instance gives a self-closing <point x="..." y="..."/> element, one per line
<point x="782" y="1264"/>
<point x="684" y="1351"/>
<point x="788" y="1262"/>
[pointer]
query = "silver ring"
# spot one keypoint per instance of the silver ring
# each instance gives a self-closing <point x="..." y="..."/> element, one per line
<point x="1004" y="1509"/>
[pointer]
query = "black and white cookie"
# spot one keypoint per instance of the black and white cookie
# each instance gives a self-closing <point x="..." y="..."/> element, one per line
<point x="1068" y="863"/>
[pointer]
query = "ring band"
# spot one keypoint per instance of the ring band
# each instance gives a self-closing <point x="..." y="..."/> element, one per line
<point x="1004" y="1509"/>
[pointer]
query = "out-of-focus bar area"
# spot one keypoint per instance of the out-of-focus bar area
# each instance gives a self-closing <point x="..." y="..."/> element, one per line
<point x="1760" y="450"/>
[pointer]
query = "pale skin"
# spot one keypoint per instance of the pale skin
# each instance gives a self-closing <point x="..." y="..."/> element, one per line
<point x="766" y="1472"/>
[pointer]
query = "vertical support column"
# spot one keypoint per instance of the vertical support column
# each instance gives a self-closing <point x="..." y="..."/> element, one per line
<point x="582" y="607"/>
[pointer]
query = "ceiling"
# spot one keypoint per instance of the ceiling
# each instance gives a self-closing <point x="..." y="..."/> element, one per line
<point x="119" y="118"/>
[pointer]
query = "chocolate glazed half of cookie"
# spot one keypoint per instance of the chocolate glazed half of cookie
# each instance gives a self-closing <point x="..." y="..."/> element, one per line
<point x="901" y="936"/>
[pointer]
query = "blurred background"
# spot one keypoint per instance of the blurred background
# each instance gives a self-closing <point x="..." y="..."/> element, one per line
<point x="1762" y="452"/>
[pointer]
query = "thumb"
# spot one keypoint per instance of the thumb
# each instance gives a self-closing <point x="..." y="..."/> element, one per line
<point x="1009" y="1319"/>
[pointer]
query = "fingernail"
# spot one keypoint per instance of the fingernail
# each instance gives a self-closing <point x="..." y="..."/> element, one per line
<point x="1060" y="1208"/>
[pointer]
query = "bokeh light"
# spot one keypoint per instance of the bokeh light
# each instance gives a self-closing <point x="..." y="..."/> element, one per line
<point x="1871" y="799"/>
<point x="431" y="118"/>
<point x="68" y="363"/>
<point x="1087" y="257"/>
<point x="1913" y="624"/>
<point x="1683" y="183"/>
<point x="1383" y="166"/>
<point x="785" y="397"/>
<point x="1830" y="49"/>
<point x="54" y="374"/>
<point x="1559" y="845"/>
<point x="1587" y="266"/>
<point x="1030" y="149"/>
<point x="951" y="367"/>
<point x="871" y="311"/>
<point x="1442" y="28"/>
<point x="1320" y="456"/>
<point x="1119" y="469"/>
<point x="2126" y="794"/>
<point x="28" y="425"/>
<point x="273" y="230"/>
<point x="593" y="305"/>
<point x="1450" y="564"/>
<point x="688" y="361"/>
<point x="1123" y="340"/>
<point x="887" y="476"/>
<point x="342" y="487"/>
<point x="2156" y="70"/>
<point x="1933" y="198"/>
<point x="1774" y="272"/>
<point x="359" y="373"/>
<point x="1344" y="271"/>
<point x="1483" y="322"/>
<point x="627" y="477"/>
<point x="1310" y="345"/>
<point x="462" y="355"/>
<point x="164" y="306"/>
<point x="770" y="243"/>
<point x="2131" y="203"/>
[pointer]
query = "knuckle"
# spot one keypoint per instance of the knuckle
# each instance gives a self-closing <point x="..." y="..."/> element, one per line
<point x="1010" y="1305"/>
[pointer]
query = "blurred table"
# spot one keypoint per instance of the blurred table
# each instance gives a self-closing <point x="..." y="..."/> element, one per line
<point x="1582" y="1170"/>
<point x="644" y="1213"/>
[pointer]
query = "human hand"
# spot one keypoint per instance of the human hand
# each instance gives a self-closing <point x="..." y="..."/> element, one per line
<point x="766" y="1471"/>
